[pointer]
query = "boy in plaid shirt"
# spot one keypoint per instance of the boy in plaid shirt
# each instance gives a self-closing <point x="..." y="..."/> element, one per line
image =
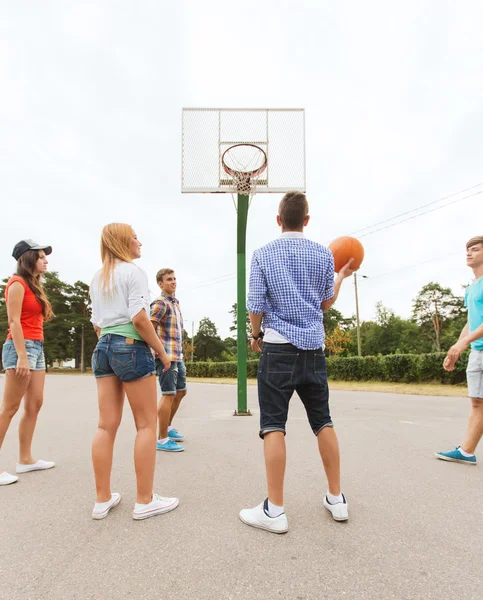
<point x="168" y="322"/>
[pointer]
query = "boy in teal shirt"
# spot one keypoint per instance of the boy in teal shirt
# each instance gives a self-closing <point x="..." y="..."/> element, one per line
<point x="472" y="335"/>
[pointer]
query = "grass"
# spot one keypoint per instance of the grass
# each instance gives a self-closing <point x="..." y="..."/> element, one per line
<point x="417" y="389"/>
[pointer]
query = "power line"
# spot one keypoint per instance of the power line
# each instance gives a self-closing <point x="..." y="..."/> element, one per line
<point x="421" y="214"/>
<point x="413" y="265"/>
<point x="417" y="208"/>
<point x="231" y="276"/>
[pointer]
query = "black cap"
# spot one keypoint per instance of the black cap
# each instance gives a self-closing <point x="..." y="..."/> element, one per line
<point x="26" y="245"/>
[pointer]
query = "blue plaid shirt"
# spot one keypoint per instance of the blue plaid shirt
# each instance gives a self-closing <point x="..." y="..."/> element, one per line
<point x="289" y="279"/>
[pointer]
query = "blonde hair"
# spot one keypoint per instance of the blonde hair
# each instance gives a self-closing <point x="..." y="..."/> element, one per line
<point x="474" y="241"/>
<point x="116" y="239"/>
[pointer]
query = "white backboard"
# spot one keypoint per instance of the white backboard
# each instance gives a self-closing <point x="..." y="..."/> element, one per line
<point x="208" y="132"/>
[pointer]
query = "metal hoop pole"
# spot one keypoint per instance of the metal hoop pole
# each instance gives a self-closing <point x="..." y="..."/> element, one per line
<point x="242" y="216"/>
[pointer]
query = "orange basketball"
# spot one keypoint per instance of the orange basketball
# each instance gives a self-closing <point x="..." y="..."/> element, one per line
<point x="344" y="248"/>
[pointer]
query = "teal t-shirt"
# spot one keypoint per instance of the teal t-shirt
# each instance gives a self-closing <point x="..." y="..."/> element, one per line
<point x="474" y="304"/>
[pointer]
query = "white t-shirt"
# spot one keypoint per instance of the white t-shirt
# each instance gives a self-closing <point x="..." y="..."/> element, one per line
<point x="130" y="295"/>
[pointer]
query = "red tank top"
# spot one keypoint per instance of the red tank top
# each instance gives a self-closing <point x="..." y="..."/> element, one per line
<point x="31" y="318"/>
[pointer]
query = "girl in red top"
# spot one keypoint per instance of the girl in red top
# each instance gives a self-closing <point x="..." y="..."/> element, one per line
<point x="22" y="354"/>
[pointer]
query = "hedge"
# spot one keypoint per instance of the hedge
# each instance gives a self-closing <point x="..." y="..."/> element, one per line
<point x="406" y="368"/>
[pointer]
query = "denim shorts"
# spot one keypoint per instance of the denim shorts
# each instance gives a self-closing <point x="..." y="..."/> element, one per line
<point x="125" y="358"/>
<point x="283" y="370"/>
<point x="174" y="379"/>
<point x="35" y="355"/>
<point x="474" y="374"/>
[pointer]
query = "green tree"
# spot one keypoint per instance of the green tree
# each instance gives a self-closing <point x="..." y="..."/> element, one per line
<point x="188" y="347"/>
<point x="251" y="355"/>
<point x="208" y="344"/>
<point x="432" y="307"/>
<point x="58" y="342"/>
<point x="84" y="338"/>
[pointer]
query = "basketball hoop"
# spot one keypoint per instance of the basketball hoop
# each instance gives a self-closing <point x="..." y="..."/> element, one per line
<point x="244" y="163"/>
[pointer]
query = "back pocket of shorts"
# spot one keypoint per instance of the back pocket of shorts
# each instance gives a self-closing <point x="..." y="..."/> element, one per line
<point x="280" y="368"/>
<point x="123" y="362"/>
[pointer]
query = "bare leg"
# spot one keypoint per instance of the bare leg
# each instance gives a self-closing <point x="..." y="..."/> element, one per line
<point x="475" y="426"/>
<point x="34" y="398"/>
<point x="12" y="396"/>
<point x="142" y="398"/>
<point x="176" y="402"/>
<point x="275" y="459"/>
<point x="111" y="398"/>
<point x="329" y="452"/>
<point x="164" y="414"/>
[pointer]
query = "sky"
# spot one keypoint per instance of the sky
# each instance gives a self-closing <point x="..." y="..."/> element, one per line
<point x="90" y="133"/>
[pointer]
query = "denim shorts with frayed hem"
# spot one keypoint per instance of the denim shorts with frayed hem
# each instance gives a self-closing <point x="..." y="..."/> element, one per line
<point x="35" y="355"/>
<point x="283" y="370"/>
<point x="125" y="358"/>
<point x="173" y="380"/>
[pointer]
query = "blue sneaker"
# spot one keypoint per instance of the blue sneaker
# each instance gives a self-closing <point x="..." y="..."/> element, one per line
<point x="456" y="456"/>
<point x="169" y="446"/>
<point x="175" y="435"/>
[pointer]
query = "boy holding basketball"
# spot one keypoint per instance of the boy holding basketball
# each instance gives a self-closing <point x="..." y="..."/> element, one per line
<point x="472" y="335"/>
<point x="291" y="284"/>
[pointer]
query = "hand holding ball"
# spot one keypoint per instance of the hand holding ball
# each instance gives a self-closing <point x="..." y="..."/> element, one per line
<point x="344" y="248"/>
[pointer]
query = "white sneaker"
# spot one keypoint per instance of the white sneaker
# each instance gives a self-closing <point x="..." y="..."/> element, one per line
<point x="258" y="517"/>
<point x="101" y="509"/>
<point x="157" y="506"/>
<point x="40" y="465"/>
<point x="7" y="479"/>
<point x="339" y="511"/>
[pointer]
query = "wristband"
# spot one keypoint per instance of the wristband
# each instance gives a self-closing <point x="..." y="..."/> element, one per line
<point x="258" y="337"/>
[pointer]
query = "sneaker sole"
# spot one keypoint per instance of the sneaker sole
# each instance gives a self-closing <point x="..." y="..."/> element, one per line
<point x="103" y="515"/>
<point x="338" y="519"/>
<point x="153" y="513"/>
<point x="8" y="482"/>
<point x="177" y="439"/>
<point x="457" y="460"/>
<point x="166" y="450"/>
<point x="260" y="526"/>
<point x="23" y="471"/>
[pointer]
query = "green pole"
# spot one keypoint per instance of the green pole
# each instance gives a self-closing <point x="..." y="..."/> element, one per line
<point x="242" y="215"/>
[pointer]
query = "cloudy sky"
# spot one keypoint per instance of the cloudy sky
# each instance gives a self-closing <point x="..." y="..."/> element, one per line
<point x="90" y="133"/>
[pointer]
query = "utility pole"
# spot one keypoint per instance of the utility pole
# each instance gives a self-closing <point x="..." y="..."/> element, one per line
<point x="358" y="325"/>
<point x="192" y="340"/>
<point x="83" y="358"/>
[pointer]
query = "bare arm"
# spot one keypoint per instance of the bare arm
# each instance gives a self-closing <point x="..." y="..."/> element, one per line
<point x="464" y="333"/>
<point x="256" y="322"/>
<point x="16" y="295"/>
<point x="326" y="304"/>
<point x="461" y="345"/>
<point x="346" y="271"/>
<point x="97" y="330"/>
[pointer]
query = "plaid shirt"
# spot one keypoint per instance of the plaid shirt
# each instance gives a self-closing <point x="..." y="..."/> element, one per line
<point x="168" y="322"/>
<point x="289" y="279"/>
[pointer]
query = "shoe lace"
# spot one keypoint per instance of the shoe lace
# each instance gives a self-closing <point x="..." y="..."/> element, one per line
<point x="160" y="498"/>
